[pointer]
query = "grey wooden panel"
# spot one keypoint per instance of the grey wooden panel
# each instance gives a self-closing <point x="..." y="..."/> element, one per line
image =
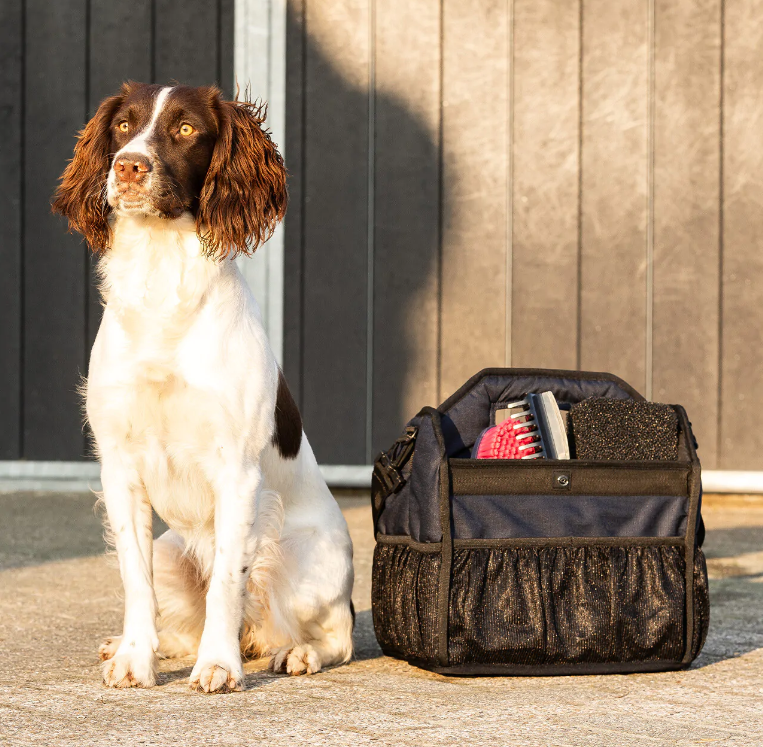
<point x="185" y="42"/>
<point x="741" y="444"/>
<point x="55" y="268"/>
<point x="119" y="50"/>
<point x="614" y="189"/>
<point x="406" y="214"/>
<point x="11" y="99"/>
<point x="294" y="150"/>
<point x="120" y="46"/>
<point x="545" y="198"/>
<point x="225" y="47"/>
<point x="475" y="189"/>
<point x="336" y="229"/>
<point x="686" y="212"/>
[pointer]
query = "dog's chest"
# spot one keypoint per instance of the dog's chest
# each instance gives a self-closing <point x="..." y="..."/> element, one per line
<point x="170" y="430"/>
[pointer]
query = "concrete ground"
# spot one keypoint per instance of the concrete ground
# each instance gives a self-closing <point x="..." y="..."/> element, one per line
<point x="59" y="596"/>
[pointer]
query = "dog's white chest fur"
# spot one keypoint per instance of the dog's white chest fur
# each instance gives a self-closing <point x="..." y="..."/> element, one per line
<point x="181" y="356"/>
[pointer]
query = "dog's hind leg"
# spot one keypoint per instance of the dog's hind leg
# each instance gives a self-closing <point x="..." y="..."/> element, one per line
<point x="325" y="642"/>
<point x="180" y="589"/>
<point x="311" y="617"/>
<point x="180" y="593"/>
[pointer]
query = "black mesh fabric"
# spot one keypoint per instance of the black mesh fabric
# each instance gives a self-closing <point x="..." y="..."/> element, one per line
<point x="552" y="605"/>
<point x="404" y="601"/>
<point x="701" y="603"/>
<point x="539" y="606"/>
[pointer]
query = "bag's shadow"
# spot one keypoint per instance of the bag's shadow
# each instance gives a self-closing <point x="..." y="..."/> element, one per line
<point x="735" y="568"/>
<point x="364" y="638"/>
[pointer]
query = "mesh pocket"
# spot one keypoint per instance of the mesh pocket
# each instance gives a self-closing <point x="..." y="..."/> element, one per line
<point x="701" y="603"/>
<point x="526" y="607"/>
<point x="404" y="601"/>
<point x="574" y="605"/>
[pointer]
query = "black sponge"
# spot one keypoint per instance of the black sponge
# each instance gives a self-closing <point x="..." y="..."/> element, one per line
<point x="624" y="429"/>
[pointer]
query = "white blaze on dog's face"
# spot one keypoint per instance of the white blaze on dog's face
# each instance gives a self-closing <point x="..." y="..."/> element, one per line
<point x="162" y="151"/>
<point x="163" y="140"/>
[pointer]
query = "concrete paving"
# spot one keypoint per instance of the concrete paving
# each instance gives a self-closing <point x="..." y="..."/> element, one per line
<point x="59" y="596"/>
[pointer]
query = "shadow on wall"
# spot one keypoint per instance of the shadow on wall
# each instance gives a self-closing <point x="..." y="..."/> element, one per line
<point x="363" y="234"/>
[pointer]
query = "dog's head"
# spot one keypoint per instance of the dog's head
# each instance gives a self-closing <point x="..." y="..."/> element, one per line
<point x="162" y="151"/>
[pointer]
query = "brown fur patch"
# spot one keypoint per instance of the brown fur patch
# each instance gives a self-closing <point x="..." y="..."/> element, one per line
<point x="244" y="194"/>
<point x="80" y="196"/>
<point x="287" y="436"/>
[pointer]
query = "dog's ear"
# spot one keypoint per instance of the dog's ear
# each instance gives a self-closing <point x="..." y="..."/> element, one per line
<point x="244" y="194"/>
<point x="81" y="195"/>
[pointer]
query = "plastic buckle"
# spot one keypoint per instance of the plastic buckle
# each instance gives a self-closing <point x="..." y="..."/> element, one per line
<point x="404" y="447"/>
<point x="387" y="473"/>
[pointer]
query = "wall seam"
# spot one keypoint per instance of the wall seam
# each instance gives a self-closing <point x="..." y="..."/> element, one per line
<point x="509" y="292"/>
<point x="440" y="206"/>
<point x="86" y="249"/>
<point x="649" y="341"/>
<point x="370" y="216"/>
<point x="579" y="321"/>
<point x="302" y="201"/>
<point x="219" y="56"/>
<point x="153" y="41"/>
<point x="22" y="229"/>
<point x="721" y="217"/>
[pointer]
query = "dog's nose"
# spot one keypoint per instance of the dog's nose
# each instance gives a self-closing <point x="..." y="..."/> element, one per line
<point x="132" y="167"/>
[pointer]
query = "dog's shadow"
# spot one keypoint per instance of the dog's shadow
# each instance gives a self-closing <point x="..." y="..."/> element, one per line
<point x="253" y="678"/>
<point x="256" y="672"/>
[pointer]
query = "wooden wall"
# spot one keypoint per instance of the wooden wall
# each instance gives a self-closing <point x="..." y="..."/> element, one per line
<point x="57" y="62"/>
<point x="571" y="183"/>
<point x="555" y="183"/>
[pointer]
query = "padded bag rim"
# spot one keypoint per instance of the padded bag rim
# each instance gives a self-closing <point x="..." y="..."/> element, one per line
<point x="555" y="373"/>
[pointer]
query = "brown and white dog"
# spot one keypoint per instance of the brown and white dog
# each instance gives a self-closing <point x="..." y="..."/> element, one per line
<point x="190" y="411"/>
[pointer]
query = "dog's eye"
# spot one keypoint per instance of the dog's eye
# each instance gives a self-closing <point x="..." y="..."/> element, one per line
<point x="186" y="130"/>
<point x="123" y="126"/>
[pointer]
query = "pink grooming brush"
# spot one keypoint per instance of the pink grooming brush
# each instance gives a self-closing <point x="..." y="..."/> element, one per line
<point x="510" y="440"/>
<point x="533" y="429"/>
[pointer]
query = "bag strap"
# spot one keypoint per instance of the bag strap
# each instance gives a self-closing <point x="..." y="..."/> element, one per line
<point x="388" y="470"/>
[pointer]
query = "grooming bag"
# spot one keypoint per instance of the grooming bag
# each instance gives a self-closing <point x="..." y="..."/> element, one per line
<point x="535" y="567"/>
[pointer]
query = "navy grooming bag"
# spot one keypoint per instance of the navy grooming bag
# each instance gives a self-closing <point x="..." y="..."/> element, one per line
<point x="535" y="567"/>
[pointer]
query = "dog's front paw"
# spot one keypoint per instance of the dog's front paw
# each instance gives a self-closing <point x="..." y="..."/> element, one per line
<point x="109" y="647"/>
<point x="216" y="678"/>
<point x="130" y="670"/>
<point x="298" y="660"/>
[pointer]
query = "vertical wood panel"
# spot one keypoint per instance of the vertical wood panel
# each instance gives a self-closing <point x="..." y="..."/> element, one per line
<point x="294" y="148"/>
<point x="614" y="189"/>
<point x="11" y="98"/>
<point x="336" y="229"/>
<point x="225" y="48"/>
<point x="120" y="47"/>
<point x="54" y="262"/>
<point x="407" y="214"/>
<point x="475" y="189"/>
<point x="686" y="212"/>
<point x="741" y="444"/>
<point x="186" y="35"/>
<point x="546" y="143"/>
